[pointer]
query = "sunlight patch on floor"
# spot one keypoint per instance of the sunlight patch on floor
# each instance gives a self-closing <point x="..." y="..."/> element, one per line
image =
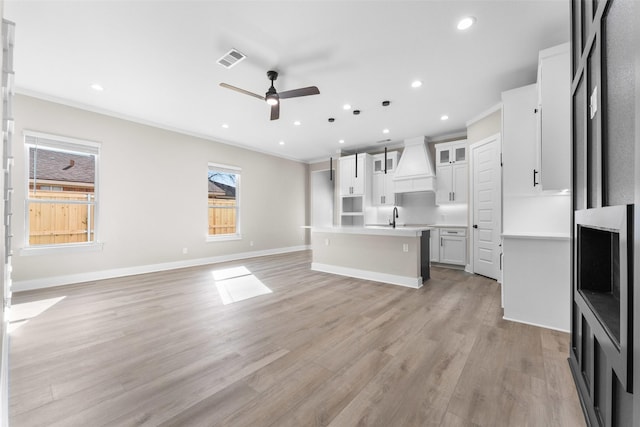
<point x="19" y="314"/>
<point x="238" y="284"/>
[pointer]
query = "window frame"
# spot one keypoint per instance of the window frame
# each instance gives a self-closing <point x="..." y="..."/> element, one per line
<point x="219" y="167"/>
<point x="65" y="144"/>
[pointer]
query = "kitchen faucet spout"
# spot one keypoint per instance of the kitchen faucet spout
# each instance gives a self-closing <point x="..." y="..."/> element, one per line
<point x="394" y="216"/>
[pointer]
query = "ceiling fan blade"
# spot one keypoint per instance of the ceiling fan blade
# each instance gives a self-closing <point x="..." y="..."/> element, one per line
<point x="311" y="90"/>
<point x="275" y="111"/>
<point x="246" y="92"/>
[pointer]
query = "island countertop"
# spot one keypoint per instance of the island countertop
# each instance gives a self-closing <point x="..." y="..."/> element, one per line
<point x="375" y="230"/>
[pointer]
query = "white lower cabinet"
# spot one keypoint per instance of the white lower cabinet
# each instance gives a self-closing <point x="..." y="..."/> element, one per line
<point x="448" y="246"/>
<point x="453" y="246"/>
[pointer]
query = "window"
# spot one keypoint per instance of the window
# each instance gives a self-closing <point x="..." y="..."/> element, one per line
<point x="223" y="202"/>
<point x="62" y="191"/>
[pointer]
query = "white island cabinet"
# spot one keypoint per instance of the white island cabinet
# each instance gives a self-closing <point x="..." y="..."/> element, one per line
<point x="398" y="256"/>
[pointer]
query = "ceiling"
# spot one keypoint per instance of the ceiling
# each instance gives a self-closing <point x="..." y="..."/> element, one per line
<point x="157" y="63"/>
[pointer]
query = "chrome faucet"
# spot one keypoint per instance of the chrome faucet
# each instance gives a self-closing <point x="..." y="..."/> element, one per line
<point x="394" y="216"/>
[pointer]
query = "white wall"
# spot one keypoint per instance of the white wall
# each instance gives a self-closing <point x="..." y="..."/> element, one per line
<point x="153" y="196"/>
<point x="485" y="127"/>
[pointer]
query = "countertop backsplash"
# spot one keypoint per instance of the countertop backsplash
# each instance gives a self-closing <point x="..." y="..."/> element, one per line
<point x="419" y="208"/>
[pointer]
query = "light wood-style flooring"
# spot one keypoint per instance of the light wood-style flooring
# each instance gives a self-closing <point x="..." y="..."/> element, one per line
<point x="162" y="349"/>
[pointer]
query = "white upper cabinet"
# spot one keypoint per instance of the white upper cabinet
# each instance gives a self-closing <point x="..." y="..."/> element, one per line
<point x="383" y="187"/>
<point x="536" y="129"/>
<point x="519" y="168"/>
<point x="452" y="172"/>
<point x="353" y="174"/>
<point x="451" y="152"/>
<point x="553" y="118"/>
<point x="379" y="162"/>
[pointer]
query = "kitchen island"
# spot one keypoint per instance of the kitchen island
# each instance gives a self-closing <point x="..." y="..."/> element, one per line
<point x="399" y="256"/>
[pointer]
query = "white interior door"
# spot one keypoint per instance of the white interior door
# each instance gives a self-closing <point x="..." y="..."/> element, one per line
<point x="322" y="199"/>
<point x="485" y="156"/>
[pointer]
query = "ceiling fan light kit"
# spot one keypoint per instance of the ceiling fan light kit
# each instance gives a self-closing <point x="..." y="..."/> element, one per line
<point x="272" y="97"/>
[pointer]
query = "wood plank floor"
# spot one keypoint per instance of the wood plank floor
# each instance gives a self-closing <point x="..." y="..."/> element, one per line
<point x="321" y="350"/>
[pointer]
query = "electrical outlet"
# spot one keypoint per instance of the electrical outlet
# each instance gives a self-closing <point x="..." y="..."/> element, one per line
<point x="405" y="247"/>
<point x="326" y="242"/>
<point x="251" y="243"/>
<point x="185" y="250"/>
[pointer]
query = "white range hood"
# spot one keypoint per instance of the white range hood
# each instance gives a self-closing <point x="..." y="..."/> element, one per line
<point x="415" y="170"/>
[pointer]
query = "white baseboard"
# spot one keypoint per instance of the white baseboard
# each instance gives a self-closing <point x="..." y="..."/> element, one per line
<point x="48" y="282"/>
<point x="538" y="325"/>
<point x="410" y="282"/>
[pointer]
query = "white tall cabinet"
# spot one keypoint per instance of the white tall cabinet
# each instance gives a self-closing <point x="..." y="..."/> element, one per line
<point x="452" y="172"/>
<point x="355" y="188"/>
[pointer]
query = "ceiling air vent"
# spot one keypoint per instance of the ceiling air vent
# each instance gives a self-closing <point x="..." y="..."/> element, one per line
<point x="231" y="58"/>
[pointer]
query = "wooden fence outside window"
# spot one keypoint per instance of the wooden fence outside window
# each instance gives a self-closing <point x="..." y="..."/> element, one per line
<point x="59" y="222"/>
<point x="222" y="216"/>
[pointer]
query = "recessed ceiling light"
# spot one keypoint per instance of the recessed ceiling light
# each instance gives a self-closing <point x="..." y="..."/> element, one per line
<point x="281" y="143"/>
<point x="466" y="23"/>
<point x="341" y="141"/>
<point x="226" y="126"/>
<point x="297" y="123"/>
<point x="346" y="107"/>
<point x="416" y="83"/>
<point x="97" y="87"/>
<point x="444" y="117"/>
<point x="385" y="130"/>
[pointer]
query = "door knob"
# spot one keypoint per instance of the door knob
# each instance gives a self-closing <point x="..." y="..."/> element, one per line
<point x="475" y="225"/>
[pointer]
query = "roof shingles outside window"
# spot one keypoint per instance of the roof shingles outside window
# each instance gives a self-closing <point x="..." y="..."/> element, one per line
<point x="54" y="166"/>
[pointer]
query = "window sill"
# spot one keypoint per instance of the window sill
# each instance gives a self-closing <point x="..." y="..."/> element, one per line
<point x="224" y="238"/>
<point x="61" y="249"/>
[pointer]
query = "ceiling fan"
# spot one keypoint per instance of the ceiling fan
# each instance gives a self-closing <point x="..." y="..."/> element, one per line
<point x="273" y="97"/>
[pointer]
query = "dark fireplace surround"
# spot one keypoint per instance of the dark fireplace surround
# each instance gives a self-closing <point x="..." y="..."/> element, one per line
<point x="603" y="273"/>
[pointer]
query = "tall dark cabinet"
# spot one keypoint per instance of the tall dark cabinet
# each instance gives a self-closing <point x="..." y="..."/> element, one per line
<point x="605" y="317"/>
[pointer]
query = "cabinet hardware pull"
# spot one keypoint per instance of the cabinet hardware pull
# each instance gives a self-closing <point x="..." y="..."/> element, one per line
<point x="356" y="165"/>
<point x="453" y="196"/>
<point x="535" y="172"/>
<point x="385" y="160"/>
<point x="441" y="242"/>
